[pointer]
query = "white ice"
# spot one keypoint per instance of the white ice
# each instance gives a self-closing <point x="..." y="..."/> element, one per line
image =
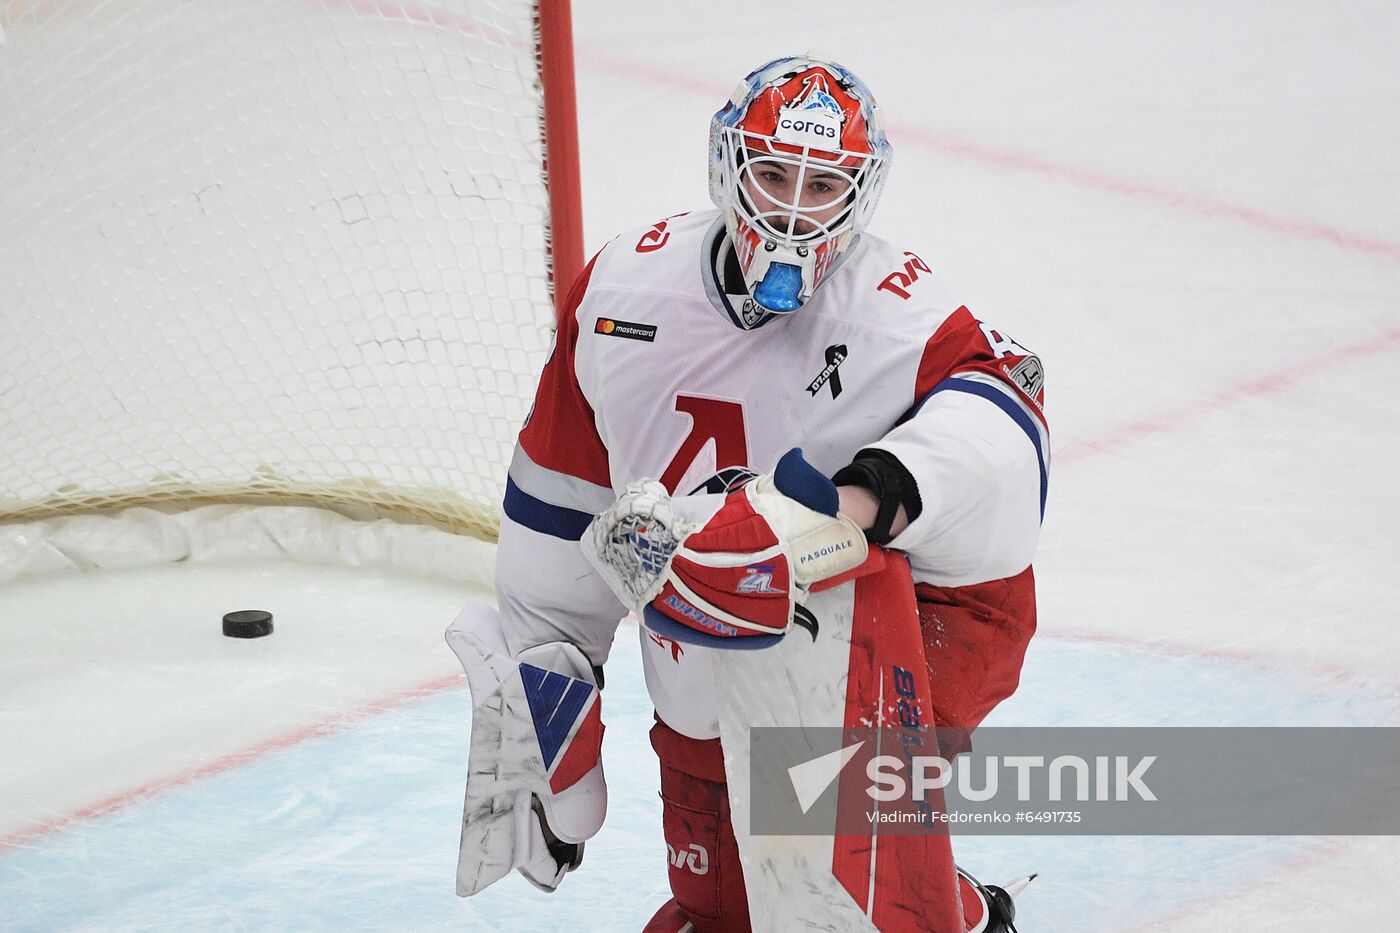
<point x="1190" y="210"/>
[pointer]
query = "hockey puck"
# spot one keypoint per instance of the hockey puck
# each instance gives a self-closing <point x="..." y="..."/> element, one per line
<point x="248" y="623"/>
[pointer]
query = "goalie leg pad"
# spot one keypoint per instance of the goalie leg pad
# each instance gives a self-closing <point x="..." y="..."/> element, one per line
<point x="535" y="786"/>
<point x="868" y="639"/>
<point x="707" y="879"/>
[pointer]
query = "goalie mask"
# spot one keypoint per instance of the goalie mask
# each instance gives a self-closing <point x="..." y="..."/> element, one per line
<point x="797" y="161"/>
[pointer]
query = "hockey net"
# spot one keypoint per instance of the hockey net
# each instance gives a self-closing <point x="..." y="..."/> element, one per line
<point x="275" y="252"/>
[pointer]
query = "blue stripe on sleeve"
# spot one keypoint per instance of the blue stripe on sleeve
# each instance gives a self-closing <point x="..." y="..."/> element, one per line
<point x="544" y="517"/>
<point x="1014" y="411"/>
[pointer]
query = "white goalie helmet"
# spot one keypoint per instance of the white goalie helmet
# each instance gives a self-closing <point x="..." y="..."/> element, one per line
<point x="798" y="158"/>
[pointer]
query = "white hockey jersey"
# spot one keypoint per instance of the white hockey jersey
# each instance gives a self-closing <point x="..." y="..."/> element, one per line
<point x="656" y="372"/>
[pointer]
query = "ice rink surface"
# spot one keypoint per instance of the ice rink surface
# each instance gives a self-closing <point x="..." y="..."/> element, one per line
<point x="1190" y="211"/>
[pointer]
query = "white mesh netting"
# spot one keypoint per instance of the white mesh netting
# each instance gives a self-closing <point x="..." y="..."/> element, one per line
<point x="268" y="251"/>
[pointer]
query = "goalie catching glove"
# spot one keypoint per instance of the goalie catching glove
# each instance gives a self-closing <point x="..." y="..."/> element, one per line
<point x="725" y="571"/>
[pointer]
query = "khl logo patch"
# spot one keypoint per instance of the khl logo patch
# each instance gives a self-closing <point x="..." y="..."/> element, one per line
<point x="1028" y="375"/>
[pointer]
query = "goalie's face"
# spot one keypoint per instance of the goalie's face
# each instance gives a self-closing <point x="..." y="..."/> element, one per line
<point x="794" y="201"/>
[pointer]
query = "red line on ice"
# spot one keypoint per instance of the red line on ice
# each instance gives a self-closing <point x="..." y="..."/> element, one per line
<point x="1024" y="163"/>
<point x="1282" y="874"/>
<point x="227" y="762"/>
<point x="1325" y="674"/>
<point x="1198" y="204"/>
<point x="1264" y="384"/>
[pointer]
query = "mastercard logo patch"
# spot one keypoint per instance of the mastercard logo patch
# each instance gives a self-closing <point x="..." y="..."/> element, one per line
<point x="612" y="327"/>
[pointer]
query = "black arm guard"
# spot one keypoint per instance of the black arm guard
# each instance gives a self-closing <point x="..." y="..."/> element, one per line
<point x="889" y="481"/>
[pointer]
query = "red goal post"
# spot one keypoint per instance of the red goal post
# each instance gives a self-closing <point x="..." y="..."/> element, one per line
<point x="279" y="253"/>
<point x="561" y="165"/>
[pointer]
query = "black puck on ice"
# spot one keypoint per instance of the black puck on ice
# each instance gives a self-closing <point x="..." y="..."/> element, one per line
<point x="248" y="623"/>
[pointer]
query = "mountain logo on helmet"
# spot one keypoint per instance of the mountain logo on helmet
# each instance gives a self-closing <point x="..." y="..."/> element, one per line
<point x="816" y="96"/>
<point x="798" y="160"/>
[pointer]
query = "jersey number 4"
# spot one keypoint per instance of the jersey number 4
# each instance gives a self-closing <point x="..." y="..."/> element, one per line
<point x="711" y="419"/>
<point x="1001" y="344"/>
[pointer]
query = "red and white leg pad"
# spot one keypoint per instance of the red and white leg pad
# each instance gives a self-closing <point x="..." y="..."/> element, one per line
<point x="535" y="787"/>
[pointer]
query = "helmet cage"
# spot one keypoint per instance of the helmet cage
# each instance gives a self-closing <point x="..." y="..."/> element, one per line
<point x="793" y="209"/>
